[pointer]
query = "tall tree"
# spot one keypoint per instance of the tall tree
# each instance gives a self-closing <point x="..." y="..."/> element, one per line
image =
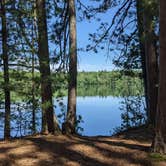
<point x="151" y="59"/>
<point x="33" y="76"/>
<point x="72" y="88"/>
<point x="6" y="70"/>
<point x="140" y="16"/>
<point x="49" y="123"/>
<point x="160" y="130"/>
<point x="146" y="32"/>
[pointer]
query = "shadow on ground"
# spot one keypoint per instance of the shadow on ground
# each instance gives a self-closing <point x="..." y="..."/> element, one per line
<point x="74" y="151"/>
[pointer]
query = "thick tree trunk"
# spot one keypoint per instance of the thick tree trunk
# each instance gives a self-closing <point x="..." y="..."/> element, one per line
<point x="152" y="78"/>
<point x="72" y="89"/>
<point x="148" y="57"/>
<point x="49" y="124"/>
<point x="151" y="67"/>
<point x="140" y="14"/>
<point x="160" y="130"/>
<point x="6" y="72"/>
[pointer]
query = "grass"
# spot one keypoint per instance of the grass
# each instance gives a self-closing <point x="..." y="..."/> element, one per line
<point x="157" y="157"/>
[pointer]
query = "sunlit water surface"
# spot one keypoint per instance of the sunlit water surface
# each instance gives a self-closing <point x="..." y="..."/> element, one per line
<point x="100" y="116"/>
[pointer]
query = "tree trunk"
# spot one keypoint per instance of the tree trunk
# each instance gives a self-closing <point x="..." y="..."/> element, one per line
<point x="6" y="72"/>
<point x="151" y="66"/>
<point x="148" y="57"/>
<point x="49" y="124"/>
<point x="33" y="90"/>
<point x="34" y="27"/>
<point x="140" y="13"/>
<point x="160" y="130"/>
<point x="152" y="78"/>
<point x="72" y="89"/>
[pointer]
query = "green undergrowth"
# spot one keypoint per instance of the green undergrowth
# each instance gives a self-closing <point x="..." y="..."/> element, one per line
<point x="157" y="157"/>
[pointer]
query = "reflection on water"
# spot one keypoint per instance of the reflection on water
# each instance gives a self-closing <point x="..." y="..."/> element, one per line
<point x="99" y="106"/>
<point x="21" y="119"/>
<point x="100" y="114"/>
<point x="128" y="88"/>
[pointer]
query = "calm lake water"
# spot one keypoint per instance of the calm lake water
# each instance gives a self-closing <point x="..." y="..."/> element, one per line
<point x="100" y="114"/>
<point x="99" y="108"/>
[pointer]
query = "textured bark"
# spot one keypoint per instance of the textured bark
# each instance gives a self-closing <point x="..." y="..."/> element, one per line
<point x="148" y="57"/>
<point x="152" y="79"/>
<point x="6" y="72"/>
<point x="72" y="89"/>
<point x="140" y="14"/>
<point x="160" y="130"/>
<point x="151" y="66"/>
<point x="49" y="124"/>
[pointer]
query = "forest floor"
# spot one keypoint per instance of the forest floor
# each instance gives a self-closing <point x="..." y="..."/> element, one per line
<point x="130" y="148"/>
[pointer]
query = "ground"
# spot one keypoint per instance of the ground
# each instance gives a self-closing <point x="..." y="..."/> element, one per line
<point x="130" y="148"/>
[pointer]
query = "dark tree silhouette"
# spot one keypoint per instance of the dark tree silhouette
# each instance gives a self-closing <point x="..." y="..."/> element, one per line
<point x="72" y="88"/>
<point x="6" y="71"/>
<point x="49" y="122"/>
<point x="160" y="130"/>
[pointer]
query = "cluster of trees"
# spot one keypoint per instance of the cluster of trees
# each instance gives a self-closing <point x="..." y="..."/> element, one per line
<point x="28" y="27"/>
<point x="25" y="43"/>
<point x="114" y="83"/>
<point x="134" y="31"/>
<point x="105" y="77"/>
<point x="101" y="83"/>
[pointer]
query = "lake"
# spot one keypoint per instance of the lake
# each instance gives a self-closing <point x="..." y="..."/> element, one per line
<point x="100" y="115"/>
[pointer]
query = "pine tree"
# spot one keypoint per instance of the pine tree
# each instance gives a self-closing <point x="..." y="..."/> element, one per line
<point x="6" y="71"/>
<point x="72" y="87"/>
<point x="160" y="130"/>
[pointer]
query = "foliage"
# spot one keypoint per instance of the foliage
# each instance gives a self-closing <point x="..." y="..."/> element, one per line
<point x="157" y="157"/>
<point x="89" y="84"/>
<point x="62" y="116"/>
<point x="121" y="34"/>
<point x="133" y="112"/>
<point x="101" y="83"/>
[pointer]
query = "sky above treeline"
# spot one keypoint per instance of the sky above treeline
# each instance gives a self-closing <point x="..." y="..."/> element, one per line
<point x="90" y="61"/>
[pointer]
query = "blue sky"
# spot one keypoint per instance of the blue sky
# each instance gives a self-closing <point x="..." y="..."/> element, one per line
<point x="90" y="61"/>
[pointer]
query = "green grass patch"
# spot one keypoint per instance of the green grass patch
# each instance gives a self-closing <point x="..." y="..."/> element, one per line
<point x="157" y="157"/>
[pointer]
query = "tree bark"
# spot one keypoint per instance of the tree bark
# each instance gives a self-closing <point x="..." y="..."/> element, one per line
<point x="148" y="57"/>
<point x="49" y="122"/>
<point x="33" y="88"/>
<point x="160" y="130"/>
<point x="6" y="72"/>
<point x="72" y="88"/>
<point x="140" y="14"/>
<point x="152" y="78"/>
<point x="151" y="65"/>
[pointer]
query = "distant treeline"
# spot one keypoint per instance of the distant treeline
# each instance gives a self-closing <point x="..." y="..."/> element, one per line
<point x="102" y="83"/>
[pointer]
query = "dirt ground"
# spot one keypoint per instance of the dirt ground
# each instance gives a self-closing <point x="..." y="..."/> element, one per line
<point x="131" y="149"/>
